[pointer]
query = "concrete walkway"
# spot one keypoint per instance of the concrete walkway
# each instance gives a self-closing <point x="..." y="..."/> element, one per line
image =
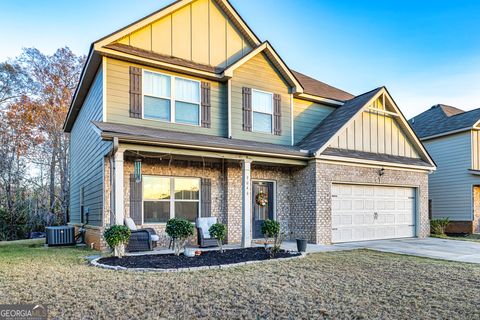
<point x="453" y="250"/>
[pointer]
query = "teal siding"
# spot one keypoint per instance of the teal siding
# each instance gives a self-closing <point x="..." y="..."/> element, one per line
<point x="87" y="152"/>
<point x="450" y="186"/>
<point x="118" y="100"/>
<point x="308" y="115"/>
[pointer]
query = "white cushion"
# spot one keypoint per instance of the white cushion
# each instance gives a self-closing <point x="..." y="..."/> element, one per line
<point x="205" y="224"/>
<point x="130" y="224"/>
<point x="154" y="237"/>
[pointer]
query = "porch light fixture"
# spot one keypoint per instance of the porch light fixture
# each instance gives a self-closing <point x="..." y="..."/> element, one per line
<point x="137" y="170"/>
<point x="381" y="172"/>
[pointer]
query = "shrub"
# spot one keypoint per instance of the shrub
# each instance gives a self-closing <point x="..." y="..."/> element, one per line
<point x="438" y="226"/>
<point x="116" y="237"/>
<point x="179" y="230"/>
<point x="218" y="231"/>
<point x="271" y="229"/>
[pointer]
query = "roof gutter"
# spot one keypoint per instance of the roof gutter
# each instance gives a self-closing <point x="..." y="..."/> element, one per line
<point x="311" y="97"/>
<point x="447" y="133"/>
<point x="377" y="163"/>
<point x="178" y="144"/>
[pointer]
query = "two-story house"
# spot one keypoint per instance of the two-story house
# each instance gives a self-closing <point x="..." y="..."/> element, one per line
<point x="452" y="137"/>
<point x="187" y="113"/>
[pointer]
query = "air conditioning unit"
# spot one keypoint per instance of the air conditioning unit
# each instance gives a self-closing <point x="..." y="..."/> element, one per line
<point x="60" y="236"/>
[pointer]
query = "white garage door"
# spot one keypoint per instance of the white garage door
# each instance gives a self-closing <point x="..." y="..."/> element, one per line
<point x="364" y="212"/>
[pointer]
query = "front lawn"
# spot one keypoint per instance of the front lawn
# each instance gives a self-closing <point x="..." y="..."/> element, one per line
<point x="340" y="285"/>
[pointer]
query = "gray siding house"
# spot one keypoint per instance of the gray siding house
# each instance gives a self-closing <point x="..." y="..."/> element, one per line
<point x="186" y="113"/>
<point x="451" y="137"/>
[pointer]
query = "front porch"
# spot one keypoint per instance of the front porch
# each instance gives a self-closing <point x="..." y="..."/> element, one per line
<point x="203" y="184"/>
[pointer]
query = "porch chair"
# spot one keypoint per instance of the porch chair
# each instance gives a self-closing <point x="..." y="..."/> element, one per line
<point x="141" y="239"/>
<point x="204" y="238"/>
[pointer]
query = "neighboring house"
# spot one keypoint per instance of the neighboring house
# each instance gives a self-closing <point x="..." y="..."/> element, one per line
<point x="452" y="137"/>
<point x="186" y="113"/>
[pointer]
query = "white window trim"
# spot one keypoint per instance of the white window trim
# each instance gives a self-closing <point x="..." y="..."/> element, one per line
<point x="270" y="114"/>
<point x="172" y="99"/>
<point x="172" y="198"/>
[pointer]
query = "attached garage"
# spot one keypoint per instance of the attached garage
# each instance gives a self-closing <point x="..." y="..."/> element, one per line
<point x="372" y="212"/>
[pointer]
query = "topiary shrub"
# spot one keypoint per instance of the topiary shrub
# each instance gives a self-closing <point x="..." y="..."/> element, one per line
<point x="271" y="229"/>
<point x="179" y="230"/>
<point x="116" y="237"/>
<point x="438" y="226"/>
<point x="218" y="231"/>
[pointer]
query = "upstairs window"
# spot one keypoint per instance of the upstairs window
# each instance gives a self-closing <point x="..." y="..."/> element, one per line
<point x="262" y="107"/>
<point x="172" y="99"/>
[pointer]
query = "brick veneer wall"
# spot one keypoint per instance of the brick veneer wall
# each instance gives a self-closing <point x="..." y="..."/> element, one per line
<point x="226" y="190"/>
<point x="303" y="203"/>
<point x="303" y="193"/>
<point x="476" y="209"/>
<point x="327" y="173"/>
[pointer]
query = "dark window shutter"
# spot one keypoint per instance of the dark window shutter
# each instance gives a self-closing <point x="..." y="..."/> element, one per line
<point x="206" y="197"/>
<point x="247" y="109"/>
<point x="135" y="92"/>
<point x="135" y="200"/>
<point x="277" y="114"/>
<point x="206" y="105"/>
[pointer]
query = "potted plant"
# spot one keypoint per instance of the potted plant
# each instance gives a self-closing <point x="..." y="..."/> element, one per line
<point x="180" y="231"/>
<point x="301" y="242"/>
<point x="271" y="229"/>
<point x="219" y="232"/>
<point x="116" y="237"/>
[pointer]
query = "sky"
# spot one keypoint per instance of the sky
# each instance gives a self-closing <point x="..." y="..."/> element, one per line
<point x="425" y="52"/>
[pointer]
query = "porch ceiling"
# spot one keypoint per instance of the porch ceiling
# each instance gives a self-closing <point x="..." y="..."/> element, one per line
<point x="151" y="151"/>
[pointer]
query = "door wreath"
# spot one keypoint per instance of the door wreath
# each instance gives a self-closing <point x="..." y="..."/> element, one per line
<point x="261" y="199"/>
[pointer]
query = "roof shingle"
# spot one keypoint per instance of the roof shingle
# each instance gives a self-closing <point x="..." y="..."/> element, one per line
<point x="335" y="121"/>
<point x="191" y="139"/>
<point x="443" y="119"/>
<point x="317" y="88"/>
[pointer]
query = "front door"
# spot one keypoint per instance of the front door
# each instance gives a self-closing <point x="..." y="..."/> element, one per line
<point x="262" y="204"/>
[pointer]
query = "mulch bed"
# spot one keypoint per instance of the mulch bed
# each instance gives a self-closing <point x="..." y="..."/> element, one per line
<point x="207" y="258"/>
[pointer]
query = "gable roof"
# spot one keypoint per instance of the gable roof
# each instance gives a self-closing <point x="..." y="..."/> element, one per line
<point x="442" y="119"/>
<point x="267" y="48"/>
<point x="322" y="136"/>
<point x="335" y="121"/>
<point x="317" y="88"/>
<point x="304" y="86"/>
<point x="142" y="22"/>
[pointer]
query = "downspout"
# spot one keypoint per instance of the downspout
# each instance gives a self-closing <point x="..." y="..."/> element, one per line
<point x="111" y="156"/>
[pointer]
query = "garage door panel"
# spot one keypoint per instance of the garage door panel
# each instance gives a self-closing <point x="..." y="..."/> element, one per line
<point x="363" y="212"/>
<point x="369" y="204"/>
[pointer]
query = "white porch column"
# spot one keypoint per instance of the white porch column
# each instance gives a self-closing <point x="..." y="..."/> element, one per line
<point x="119" y="200"/>
<point x="246" y="204"/>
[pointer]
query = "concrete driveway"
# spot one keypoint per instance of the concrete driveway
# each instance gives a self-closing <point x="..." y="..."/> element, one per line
<point x="454" y="250"/>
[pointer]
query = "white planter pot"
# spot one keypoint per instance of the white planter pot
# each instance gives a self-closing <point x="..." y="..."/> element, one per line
<point x="119" y="250"/>
<point x="189" y="252"/>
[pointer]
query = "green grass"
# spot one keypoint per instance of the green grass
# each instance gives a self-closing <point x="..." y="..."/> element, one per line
<point x="356" y="284"/>
<point x="470" y="237"/>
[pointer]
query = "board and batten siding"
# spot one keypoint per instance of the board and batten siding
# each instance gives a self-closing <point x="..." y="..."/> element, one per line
<point x="450" y="186"/>
<point x="199" y="32"/>
<point x="378" y="133"/>
<point x="118" y="100"/>
<point x="307" y="115"/>
<point x="260" y="74"/>
<point x="87" y="151"/>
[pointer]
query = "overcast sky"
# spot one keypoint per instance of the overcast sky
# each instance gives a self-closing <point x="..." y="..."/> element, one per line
<point x="425" y="52"/>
